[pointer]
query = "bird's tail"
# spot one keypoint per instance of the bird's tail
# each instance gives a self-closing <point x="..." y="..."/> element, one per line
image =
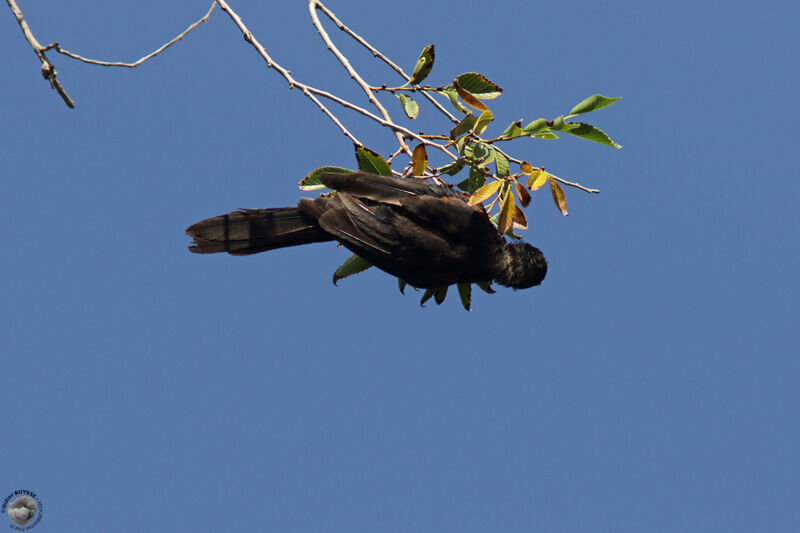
<point x="250" y="231"/>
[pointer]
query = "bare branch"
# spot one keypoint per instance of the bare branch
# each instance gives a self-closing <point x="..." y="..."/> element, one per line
<point x="48" y="70"/>
<point x="310" y="92"/>
<point x="312" y="10"/>
<point x="248" y="36"/>
<point x="57" y="47"/>
<point x="576" y="185"/>
<point x="360" y="40"/>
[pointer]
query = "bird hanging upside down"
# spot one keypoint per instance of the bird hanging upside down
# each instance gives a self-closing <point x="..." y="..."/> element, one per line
<point x="424" y="233"/>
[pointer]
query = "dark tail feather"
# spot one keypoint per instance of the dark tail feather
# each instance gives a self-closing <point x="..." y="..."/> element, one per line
<point x="250" y="231"/>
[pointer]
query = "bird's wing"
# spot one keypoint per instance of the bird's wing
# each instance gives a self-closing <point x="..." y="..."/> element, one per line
<point x="365" y="228"/>
<point x="384" y="189"/>
<point x="452" y="218"/>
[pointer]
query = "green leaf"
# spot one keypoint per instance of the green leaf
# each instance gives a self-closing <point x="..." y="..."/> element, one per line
<point x="535" y="127"/>
<point x="465" y="292"/>
<point x="409" y="106"/>
<point x="486" y="286"/>
<point x="593" y="103"/>
<point x="591" y="133"/>
<point x="401" y="284"/>
<point x="353" y="265"/>
<point x="439" y="295"/>
<point x="560" y="125"/>
<point x="427" y="296"/>
<point x="478" y="85"/>
<point x="451" y="169"/>
<point x="513" y="131"/>
<point x="370" y="161"/>
<point x="452" y="94"/>
<point x="464" y="126"/>
<point x="481" y="152"/>
<point x="547" y="134"/>
<point x="476" y="179"/>
<point x="461" y="145"/>
<point x="311" y="182"/>
<point x="423" y="66"/>
<point x="501" y="164"/>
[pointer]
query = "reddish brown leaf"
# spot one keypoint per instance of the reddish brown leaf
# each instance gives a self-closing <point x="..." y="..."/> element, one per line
<point x="468" y="97"/>
<point x="519" y="218"/>
<point x="558" y="196"/>
<point x="522" y="192"/>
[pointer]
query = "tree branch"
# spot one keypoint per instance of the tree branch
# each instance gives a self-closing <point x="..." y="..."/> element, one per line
<point x="312" y="10"/>
<point x="57" y="47"/>
<point x="48" y="70"/>
<point x="310" y="92"/>
<point x="375" y="52"/>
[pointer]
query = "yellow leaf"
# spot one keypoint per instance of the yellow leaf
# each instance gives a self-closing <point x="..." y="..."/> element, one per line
<point x="485" y="192"/>
<point x="558" y="196"/>
<point x="537" y="179"/>
<point x="419" y="160"/>
<point x="522" y="192"/>
<point x="484" y="120"/>
<point x="468" y="97"/>
<point x="526" y="167"/>
<point x="507" y="206"/>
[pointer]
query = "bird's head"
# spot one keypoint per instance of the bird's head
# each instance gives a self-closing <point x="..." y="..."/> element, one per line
<point x="522" y="266"/>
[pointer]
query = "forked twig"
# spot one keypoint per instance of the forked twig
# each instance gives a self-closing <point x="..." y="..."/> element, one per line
<point x="48" y="70"/>
<point x="375" y="52"/>
<point x="312" y="11"/>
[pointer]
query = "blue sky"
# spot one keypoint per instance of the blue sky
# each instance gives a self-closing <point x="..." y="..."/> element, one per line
<point x="650" y="383"/>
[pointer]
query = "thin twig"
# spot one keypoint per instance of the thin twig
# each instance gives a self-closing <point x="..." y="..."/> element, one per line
<point x="360" y="40"/>
<point x="395" y="154"/>
<point x="248" y="36"/>
<point x="576" y="185"/>
<point x="383" y="122"/>
<point x="312" y="11"/>
<point x="48" y="70"/>
<point x="310" y="92"/>
<point x="57" y="47"/>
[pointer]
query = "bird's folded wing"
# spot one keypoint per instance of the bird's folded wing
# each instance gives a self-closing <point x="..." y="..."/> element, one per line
<point x="357" y="225"/>
<point x="450" y="217"/>
<point x="385" y="189"/>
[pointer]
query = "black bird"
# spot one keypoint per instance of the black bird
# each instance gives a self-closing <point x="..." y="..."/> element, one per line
<point x="424" y="233"/>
